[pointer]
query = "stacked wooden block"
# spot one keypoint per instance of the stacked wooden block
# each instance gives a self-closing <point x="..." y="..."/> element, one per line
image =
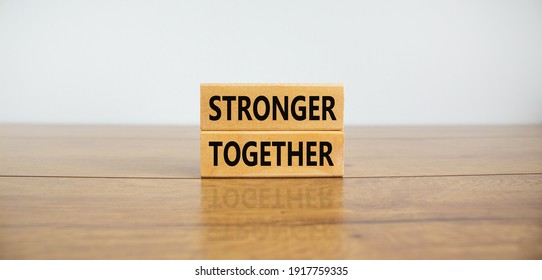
<point x="272" y="130"/>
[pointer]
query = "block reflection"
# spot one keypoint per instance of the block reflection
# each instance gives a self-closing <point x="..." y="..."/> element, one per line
<point x="278" y="216"/>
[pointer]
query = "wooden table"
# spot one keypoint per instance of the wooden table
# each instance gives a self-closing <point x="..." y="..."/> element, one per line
<point x="134" y="192"/>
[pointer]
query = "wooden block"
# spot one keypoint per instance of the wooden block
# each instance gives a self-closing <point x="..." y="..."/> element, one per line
<point x="272" y="154"/>
<point x="271" y="106"/>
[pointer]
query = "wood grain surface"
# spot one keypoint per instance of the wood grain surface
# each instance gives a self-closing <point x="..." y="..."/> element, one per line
<point x="126" y="192"/>
<point x="173" y="152"/>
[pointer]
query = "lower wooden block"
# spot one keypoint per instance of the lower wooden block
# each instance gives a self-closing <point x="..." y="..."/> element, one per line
<point x="272" y="154"/>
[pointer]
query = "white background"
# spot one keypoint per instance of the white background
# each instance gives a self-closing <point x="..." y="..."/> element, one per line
<point x="358" y="269"/>
<point x="141" y="62"/>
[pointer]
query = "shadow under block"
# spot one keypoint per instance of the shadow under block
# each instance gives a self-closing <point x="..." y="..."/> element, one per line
<point x="272" y="154"/>
<point x="271" y="106"/>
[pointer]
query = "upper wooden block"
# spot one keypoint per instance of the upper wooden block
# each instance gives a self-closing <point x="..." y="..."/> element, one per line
<point x="271" y="106"/>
